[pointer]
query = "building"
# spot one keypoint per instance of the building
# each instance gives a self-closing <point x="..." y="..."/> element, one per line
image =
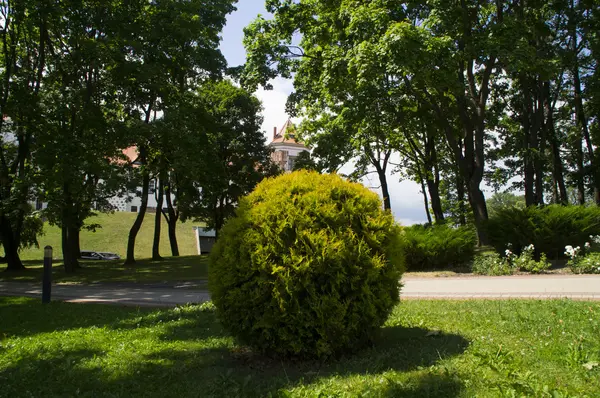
<point x="132" y="201"/>
<point x="205" y="239"/>
<point x="286" y="147"/>
<point x="129" y="201"/>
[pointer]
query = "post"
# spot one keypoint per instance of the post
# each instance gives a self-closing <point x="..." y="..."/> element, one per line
<point x="47" y="280"/>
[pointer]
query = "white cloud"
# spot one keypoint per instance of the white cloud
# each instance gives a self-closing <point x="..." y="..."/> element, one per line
<point x="274" y="105"/>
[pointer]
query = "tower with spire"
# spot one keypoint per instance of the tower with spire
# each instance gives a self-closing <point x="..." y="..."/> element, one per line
<point x="286" y="147"/>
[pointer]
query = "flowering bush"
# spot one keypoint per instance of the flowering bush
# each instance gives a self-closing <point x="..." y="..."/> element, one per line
<point x="584" y="261"/>
<point x="589" y="264"/>
<point x="492" y="264"/>
<point x="526" y="261"/>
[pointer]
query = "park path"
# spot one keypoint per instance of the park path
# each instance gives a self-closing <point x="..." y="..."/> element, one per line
<point x="577" y="287"/>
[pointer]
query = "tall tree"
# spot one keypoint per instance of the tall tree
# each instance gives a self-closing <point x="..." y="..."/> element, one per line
<point x="23" y="67"/>
<point x="231" y="155"/>
<point x="81" y="140"/>
<point x="443" y="54"/>
<point x="169" y="49"/>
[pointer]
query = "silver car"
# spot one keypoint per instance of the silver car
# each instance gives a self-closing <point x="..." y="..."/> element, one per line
<point x="88" y="255"/>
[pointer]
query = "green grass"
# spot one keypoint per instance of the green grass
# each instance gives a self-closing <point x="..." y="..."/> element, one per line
<point x="427" y="349"/>
<point x="171" y="269"/>
<point x="112" y="237"/>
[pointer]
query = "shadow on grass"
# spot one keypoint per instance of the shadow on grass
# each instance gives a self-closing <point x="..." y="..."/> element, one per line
<point x="185" y="352"/>
<point x="231" y="370"/>
<point x="21" y="316"/>
<point x="62" y="374"/>
<point x="183" y="268"/>
<point x="237" y="371"/>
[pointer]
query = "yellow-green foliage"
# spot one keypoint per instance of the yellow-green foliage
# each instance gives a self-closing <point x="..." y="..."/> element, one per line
<point x="309" y="267"/>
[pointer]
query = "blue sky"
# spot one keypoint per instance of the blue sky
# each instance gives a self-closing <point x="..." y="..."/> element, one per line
<point x="407" y="203"/>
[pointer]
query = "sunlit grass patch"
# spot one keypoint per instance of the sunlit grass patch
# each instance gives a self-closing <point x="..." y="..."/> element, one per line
<point x="426" y="349"/>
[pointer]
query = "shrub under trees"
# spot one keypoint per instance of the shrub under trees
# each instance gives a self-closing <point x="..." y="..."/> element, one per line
<point x="438" y="246"/>
<point x="308" y="267"/>
<point x="548" y="228"/>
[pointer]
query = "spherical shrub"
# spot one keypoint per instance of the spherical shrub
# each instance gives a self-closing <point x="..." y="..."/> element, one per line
<point x="308" y="267"/>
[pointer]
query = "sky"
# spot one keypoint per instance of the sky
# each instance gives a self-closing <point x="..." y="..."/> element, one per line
<point x="406" y="198"/>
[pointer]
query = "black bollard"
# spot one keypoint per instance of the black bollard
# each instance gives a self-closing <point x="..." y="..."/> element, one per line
<point x="46" y="283"/>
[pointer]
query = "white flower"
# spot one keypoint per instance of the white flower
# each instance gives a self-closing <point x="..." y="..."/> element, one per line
<point x="569" y="251"/>
<point x="508" y="253"/>
<point x="587" y="245"/>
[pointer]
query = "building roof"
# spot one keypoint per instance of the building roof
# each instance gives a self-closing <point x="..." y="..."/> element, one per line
<point x="284" y="137"/>
<point x="131" y="153"/>
<point x="131" y="156"/>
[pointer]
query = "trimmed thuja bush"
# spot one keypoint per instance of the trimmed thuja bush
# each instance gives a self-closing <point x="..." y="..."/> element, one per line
<point x="308" y="267"/>
<point x="438" y="247"/>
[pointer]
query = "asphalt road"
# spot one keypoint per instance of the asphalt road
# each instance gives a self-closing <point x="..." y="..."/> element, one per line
<point x="577" y="287"/>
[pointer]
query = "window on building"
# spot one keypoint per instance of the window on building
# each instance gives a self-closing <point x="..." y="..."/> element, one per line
<point x="152" y="187"/>
<point x="291" y="162"/>
<point x="134" y="209"/>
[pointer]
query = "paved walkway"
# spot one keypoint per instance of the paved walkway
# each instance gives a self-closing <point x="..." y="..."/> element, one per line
<point x="578" y="287"/>
<point x="125" y="294"/>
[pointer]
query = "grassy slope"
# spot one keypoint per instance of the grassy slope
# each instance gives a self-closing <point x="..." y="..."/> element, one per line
<point x="427" y="349"/>
<point x="112" y="237"/>
<point x="171" y="269"/>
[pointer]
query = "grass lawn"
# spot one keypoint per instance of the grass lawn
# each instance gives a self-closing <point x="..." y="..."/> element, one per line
<point x="112" y="237"/>
<point x="185" y="268"/>
<point x="427" y="349"/>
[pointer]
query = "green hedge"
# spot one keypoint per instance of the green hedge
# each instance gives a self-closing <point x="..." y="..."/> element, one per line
<point x="438" y="247"/>
<point x="309" y="266"/>
<point x="549" y="228"/>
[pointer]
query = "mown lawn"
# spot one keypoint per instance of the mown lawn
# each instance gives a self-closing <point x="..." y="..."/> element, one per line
<point x="170" y="269"/>
<point x="112" y="237"/>
<point x="427" y="349"/>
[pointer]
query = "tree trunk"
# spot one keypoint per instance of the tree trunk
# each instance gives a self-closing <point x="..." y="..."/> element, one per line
<point x="530" y="146"/>
<point x="173" y="217"/>
<point x="70" y="260"/>
<point x="425" y="201"/>
<point x="387" y="204"/>
<point x="135" y="228"/>
<point x="460" y="197"/>
<point x="436" y="201"/>
<point x="11" y="249"/>
<point x="477" y="201"/>
<point x="68" y="228"/>
<point x="433" y="176"/>
<point x="540" y="154"/>
<point x="77" y="242"/>
<point x="560" y="196"/>
<point x="218" y="220"/>
<point x="555" y="195"/>
<point x="157" y="219"/>
<point x="580" y="173"/>
<point x="579" y="109"/>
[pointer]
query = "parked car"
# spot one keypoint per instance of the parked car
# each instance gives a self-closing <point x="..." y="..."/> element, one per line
<point x="88" y="255"/>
